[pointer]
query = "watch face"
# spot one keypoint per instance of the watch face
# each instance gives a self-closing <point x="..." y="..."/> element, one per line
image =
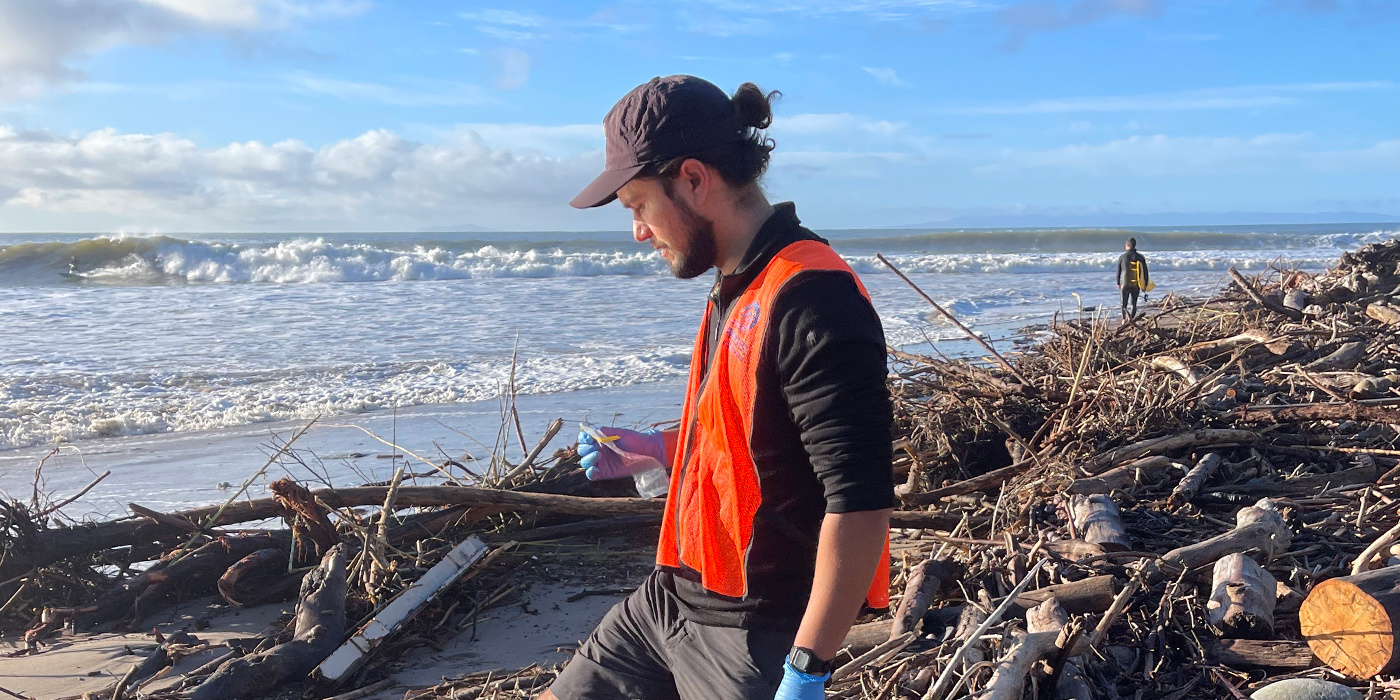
<point x="807" y="662"/>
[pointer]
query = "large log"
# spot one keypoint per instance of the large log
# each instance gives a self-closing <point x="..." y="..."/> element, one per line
<point x="192" y="575"/>
<point x="258" y="578"/>
<point x="1119" y="477"/>
<point x="1242" y="598"/>
<point x="1345" y="357"/>
<point x="320" y="626"/>
<point x="1170" y="443"/>
<point x="1091" y="595"/>
<point x="1320" y="411"/>
<point x="1351" y="623"/>
<point x="1259" y="526"/>
<point x="1098" y="521"/>
<point x="54" y="544"/>
<point x="1275" y="345"/>
<point x="1261" y="653"/>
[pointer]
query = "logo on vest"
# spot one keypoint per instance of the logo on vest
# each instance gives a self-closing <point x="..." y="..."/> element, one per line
<point x="737" y="335"/>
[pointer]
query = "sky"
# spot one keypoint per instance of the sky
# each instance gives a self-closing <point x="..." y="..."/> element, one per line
<point x="145" y="116"/>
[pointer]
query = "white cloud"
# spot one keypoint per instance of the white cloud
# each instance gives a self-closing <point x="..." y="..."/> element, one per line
<point x="43" y="41"/>
<point x="377" y="180"/>
<point x="1161" y="155"/>
<point x="433" y="94"/>
<point x="507" y="17"/>
<point x="1241" y="97"/>
<point x="834" y="123"/>
<point x="884" y="76"/>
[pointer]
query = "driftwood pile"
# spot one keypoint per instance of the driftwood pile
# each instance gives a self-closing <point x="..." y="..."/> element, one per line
<point x="1198" y="503"/>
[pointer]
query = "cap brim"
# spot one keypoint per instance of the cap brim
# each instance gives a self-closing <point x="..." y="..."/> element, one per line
<point x="604" y="188"/>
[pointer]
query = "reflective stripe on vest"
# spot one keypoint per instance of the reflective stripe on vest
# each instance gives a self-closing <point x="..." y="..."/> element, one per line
<point x="715" y="492"/>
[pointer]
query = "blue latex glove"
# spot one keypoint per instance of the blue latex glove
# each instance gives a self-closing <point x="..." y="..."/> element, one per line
<point x="797" y="685"/>
<point x="601" y="463"/>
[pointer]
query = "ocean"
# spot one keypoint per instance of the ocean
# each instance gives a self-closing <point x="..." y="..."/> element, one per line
<point x="176" y="361"/>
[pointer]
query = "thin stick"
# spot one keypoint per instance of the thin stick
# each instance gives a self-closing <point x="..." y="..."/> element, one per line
<point x="956" y="322"/>
<point x="214" y="519"/>
<point x="76" y="496"/>
<point x="945" y="678"/>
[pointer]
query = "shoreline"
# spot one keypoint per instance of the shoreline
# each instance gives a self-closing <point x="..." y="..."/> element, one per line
<point x="998" y="467"/>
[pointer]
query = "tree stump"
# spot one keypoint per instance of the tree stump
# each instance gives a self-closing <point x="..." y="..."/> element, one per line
<point x="1351" y="622"/>
<point x="1099" y="522"/>
<point x="1242" y="598"/>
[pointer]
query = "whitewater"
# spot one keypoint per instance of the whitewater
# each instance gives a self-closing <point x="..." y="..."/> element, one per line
<point x="179" y="335"/>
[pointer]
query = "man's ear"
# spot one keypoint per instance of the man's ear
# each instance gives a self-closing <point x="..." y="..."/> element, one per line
<point x="696" y="179"/>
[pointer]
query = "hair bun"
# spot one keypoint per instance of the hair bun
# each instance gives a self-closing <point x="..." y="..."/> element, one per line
<point x="754" y="106"/>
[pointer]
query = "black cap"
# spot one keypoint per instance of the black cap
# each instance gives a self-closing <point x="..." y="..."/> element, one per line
<point x="660" y="120"/>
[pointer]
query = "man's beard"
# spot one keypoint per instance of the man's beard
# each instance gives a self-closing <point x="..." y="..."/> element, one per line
<point x="700" y="250"/>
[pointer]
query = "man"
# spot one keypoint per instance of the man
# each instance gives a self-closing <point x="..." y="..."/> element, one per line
<point x="776" y="525"/>
<point x="1132" y="277"/>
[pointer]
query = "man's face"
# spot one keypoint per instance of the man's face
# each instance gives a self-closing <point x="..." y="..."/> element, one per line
<point x="683" y="237"/>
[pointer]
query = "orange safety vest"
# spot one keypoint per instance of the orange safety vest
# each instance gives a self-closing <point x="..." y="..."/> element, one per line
<point x="715" y="488"/>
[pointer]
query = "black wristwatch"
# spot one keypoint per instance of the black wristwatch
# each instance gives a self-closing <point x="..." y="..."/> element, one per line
<point x="806" y="661"/>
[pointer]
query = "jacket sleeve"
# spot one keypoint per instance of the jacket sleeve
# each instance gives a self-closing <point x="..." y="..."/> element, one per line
<point x="1119" y="277"/>
<point x="831" y="361"/>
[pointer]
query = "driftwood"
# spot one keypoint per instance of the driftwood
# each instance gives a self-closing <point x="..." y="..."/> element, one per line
<point x="1046" y="623"/>
<point x="53" y="544"/>
<point x="1256" y="527"/>
<point x="258" y="578"/>
<point x="1260" y="653"/>
<point x="1099" y="522"/>
<point x="320" y="625"/>
<point x="1253" y="336"/>
<point x="312" y="530"/>
<point x="1188" y="374"/>
<point x="1350" y="622"/>
<point x="193" y="575"/>
<point x="1195" y="480"/>
<point x="1385" y="312"/>
<point x="1242" y="598"/>
<point x="1345" y="357"/>
<point x="1171" y="443"/>
<point x="1070" y="682"/>
<point x="924" y="582"/>
<point x="1118" y="478"/>
<point x="992" y="479"/>
<point x="1320" y="411"/>
<point x="1271" y="304"/>
<point x="1090" y="595"/>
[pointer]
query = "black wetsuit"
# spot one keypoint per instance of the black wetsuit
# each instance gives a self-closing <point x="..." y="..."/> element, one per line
<point x="1127" y="281"/>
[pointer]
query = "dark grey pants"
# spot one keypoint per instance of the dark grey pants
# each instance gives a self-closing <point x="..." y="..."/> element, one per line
<point x="645" y="648"/>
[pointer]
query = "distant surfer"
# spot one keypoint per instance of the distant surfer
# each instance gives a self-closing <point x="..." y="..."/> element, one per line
<point x="1132" y="277"/>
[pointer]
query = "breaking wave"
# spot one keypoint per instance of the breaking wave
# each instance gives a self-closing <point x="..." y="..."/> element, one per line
<point x="163" y="260"/>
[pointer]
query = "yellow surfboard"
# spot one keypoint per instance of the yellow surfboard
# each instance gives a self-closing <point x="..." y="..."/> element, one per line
<point x="1136" y="270"/>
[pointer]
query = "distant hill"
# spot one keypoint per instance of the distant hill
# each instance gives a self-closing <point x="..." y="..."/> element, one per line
<point x="1162" y="219"/>
<point x="457" y="228"/>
